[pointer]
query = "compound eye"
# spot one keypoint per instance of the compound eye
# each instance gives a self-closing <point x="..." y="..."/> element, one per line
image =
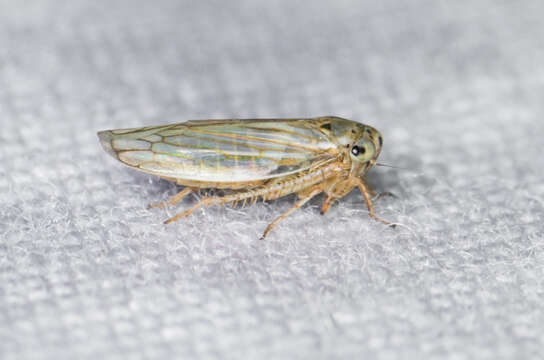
<point x="356" y="150"/>
<point x="362" y="151"/>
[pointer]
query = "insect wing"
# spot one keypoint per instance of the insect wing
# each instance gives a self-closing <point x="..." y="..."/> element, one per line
<point x="222" y="150"/>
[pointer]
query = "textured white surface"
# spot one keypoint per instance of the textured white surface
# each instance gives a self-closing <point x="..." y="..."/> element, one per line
<point x="456" y="89"/>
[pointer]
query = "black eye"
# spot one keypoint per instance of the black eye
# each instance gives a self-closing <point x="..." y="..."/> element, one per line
<point x="358" y="150"/>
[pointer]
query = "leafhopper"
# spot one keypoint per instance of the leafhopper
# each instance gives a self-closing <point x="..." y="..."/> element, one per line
<point x="254" y="159"/>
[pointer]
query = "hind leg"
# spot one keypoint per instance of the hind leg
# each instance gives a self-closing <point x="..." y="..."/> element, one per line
<point x="208" y="201"/>
<point x="174" y="199"/>
<point x="204" y="202"/>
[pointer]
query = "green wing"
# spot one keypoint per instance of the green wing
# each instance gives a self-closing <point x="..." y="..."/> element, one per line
<point x="224" y="150"/>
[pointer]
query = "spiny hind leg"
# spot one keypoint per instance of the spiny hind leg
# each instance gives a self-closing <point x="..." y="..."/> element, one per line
<point x="366" y="195"/>
<point x="204" y="202"/>
<point x="174" y="199"/>
<point x="303" y="200"/>
<point x="208" y="201"/>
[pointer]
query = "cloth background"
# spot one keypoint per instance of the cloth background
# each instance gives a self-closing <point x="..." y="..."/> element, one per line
<point x="455" y="87"/>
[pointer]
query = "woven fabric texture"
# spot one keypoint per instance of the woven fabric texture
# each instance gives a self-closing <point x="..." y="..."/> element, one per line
<point x="455" y="87"/>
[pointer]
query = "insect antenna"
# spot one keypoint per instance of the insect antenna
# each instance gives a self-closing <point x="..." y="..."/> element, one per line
<point x="391" y="166"/>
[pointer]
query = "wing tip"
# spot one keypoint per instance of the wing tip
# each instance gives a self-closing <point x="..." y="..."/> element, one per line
<point x="105" y="138"/>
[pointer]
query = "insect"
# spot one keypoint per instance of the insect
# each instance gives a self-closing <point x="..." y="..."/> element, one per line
<point x="254" y="158"/>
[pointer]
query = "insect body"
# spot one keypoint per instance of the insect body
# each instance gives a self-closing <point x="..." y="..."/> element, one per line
<point x="263" y="158"/>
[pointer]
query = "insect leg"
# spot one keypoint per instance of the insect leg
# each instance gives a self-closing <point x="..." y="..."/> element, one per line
<point x="254" y="200"/>
<point x="334" y="191"/>
<point x="174" y="199"/>
<point x="371" y="192"/>
<point x="208" y="201"/>
<point x="366" y="196"/>
<point x="327" y="202"/>
<point x="316" y="190"/>
<point x="384" y="193"/>
<point x="204" y="202"/>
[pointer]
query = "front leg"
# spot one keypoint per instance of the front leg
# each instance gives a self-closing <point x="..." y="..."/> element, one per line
<point x="373" y="194"/>
<point x="361" y="184"/>
<point x="335" y="190"/>
<point x="369" y="189"/>
<point x="327" y="202"/>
